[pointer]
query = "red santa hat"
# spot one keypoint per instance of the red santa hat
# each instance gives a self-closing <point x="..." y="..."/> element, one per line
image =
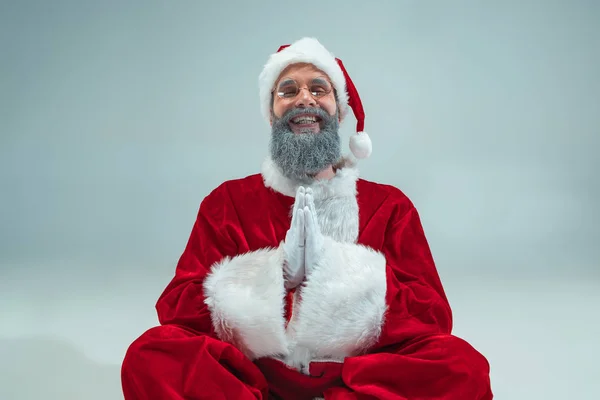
<point x="309" y="50"/>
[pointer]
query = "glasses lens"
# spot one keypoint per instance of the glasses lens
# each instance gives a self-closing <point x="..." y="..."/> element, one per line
<point x="320" y="87"/>
<point x="287" y="89"/>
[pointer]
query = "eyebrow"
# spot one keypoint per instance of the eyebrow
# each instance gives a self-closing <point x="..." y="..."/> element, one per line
<point x="288" y="81"/>
<point x="320" y="80"/>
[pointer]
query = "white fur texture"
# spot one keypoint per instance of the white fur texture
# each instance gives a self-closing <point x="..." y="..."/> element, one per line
<point x="360" y="145"/>
<point x="338" y="217"/>
<point x="306" y="50"/>
<point x="343" y="305"/>
<point x="343" y="184"/>
<point x="245" y="296"/>
<point x="335" y="199"/>
<point x="338" y="312"/>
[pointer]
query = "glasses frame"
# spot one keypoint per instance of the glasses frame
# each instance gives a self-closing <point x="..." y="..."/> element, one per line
<point x="314" y="95"/>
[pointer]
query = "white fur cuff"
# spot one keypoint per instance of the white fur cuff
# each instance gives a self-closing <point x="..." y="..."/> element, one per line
<point x="245" y="296"/>
<point x="343" y="302"/>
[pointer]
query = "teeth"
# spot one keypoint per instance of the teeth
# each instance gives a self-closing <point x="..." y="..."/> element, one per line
<point x="304" y="120"/>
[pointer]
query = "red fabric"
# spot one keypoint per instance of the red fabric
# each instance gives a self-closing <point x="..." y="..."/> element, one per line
<point x="289" y="306"/>
<point x="415" y="357"/>
<point x="170" y="362"/>
<point x="353" y="99"/>
<point x="430" y="367"/>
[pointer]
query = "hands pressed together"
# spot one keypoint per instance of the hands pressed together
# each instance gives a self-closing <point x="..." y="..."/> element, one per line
<point x="304" y="241"/>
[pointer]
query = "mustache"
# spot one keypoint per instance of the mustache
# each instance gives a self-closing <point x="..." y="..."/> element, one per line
<point x="294" y="112"/>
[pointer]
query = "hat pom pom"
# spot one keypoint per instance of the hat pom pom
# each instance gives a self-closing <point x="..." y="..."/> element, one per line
<point x="360" y="145"/>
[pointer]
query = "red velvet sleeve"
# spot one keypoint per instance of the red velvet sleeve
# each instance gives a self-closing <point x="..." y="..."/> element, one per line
<point x="416" y="356"/>
<point x="417" y="303"/>
<point x="211" y="239"/>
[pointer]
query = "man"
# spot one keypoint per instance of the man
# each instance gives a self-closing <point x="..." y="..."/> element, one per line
<point x="305" y="281"/>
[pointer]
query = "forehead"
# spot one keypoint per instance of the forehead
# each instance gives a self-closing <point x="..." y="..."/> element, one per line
<point x="301" y="71"/>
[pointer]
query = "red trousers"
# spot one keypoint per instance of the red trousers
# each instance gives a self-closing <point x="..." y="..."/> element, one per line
<point x="173" y="363"/>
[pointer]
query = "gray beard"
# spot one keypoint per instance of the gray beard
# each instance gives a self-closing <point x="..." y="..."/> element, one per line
<point x="301" y="156"/>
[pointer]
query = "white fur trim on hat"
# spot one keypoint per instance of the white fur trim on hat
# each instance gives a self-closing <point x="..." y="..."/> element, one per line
<point x="305" y="50"/>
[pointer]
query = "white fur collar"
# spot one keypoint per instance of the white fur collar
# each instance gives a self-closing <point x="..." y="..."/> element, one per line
<point x="343" y="184"/>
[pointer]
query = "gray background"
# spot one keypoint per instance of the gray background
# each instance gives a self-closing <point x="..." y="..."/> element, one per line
<point x="117" y="118"/>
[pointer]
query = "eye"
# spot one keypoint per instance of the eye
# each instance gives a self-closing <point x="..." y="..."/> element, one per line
<point x="318" y="91"/>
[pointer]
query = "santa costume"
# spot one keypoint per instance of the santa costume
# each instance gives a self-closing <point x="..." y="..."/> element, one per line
<point x="371" y="321"/>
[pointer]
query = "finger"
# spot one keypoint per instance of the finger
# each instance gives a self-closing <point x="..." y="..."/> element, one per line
<point x="299" y="202"/>
<point x="310" y="202"/>
<point x="298" y="206"/>
<point x="302" y="198"/>
<point x="301" y="228"/>
<point x="309" y="197"/>
<point x="294" y="224"/>
<point x="309" y="222"/>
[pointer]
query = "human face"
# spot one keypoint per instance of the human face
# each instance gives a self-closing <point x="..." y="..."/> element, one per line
<point x="303" y="150"/>
<point x="305" y="76"/>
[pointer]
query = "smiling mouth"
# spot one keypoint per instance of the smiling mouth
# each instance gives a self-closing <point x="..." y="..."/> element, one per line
<point x="305" y="120"/>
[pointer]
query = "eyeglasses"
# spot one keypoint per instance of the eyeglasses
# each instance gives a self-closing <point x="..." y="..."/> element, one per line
<point x="289" y="88"/>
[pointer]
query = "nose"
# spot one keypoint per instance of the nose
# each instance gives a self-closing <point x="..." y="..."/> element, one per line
<point x="305" y="99"/>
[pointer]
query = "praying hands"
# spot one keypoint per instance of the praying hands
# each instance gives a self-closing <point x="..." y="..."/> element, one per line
<point x="304" y="241"/>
